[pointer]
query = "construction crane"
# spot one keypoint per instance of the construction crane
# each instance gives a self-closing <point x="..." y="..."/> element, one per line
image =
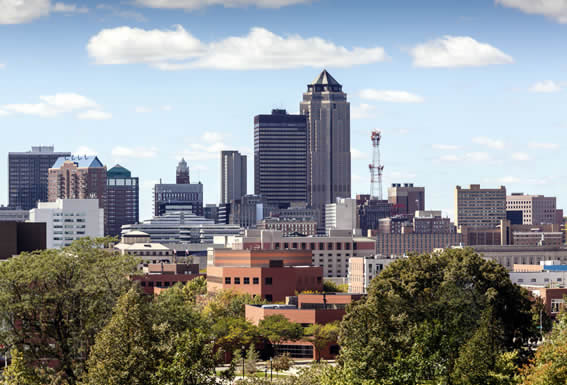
<point x="376" y="168"/>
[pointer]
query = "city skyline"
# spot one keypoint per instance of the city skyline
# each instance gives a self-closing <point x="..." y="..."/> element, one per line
<point x="488" y="117"/>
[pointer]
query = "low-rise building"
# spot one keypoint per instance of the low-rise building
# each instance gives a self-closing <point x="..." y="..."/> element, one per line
<point x="552" y="298"/>
<point x="397" y="245"/>
<point x="362" y="270"/>
<point x="138" y="243"/>
<point x="8" y="214"/>
<point x="19" y="237"/>
<point x="161" y="276"/>
<point x="289" y="227"/>
<point x="510" y="255"/>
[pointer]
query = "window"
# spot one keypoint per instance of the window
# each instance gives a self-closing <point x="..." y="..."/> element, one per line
<point x="237" y="280"/>
<point x="247" y="280"/>
<point x="556" y="305"/>
<point x="268" y="280"/>
<point x="227" y="281"/>
<point x="269" y="297"/>
<point x="255" y="280"/>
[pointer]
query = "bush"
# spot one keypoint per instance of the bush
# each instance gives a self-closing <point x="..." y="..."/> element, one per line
<point x="282" y="362"/>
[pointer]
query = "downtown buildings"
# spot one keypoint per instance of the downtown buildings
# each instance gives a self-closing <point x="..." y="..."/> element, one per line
<point x="121" y="200"/>
<point x="234" y="179"/>
<point x="183" y="196"/>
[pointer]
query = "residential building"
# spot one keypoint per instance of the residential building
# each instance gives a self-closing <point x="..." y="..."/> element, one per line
<point x="397" y="245"/>
<point x="328" y="141"/>
<point x="233" y="176"/>
<point x="341" y="215"/>
<point x="280" y="158"/>
<point x="77" y="177"/>
<point x="362" y="270"/>
<point x="8" y="214"/>
<point x="290" y="227"/>
<point x="68" y="220"/>
<point x="28" y="176"/>
<point x="270" y="274"/>
<point x="122" y="200"/>
<point x="479" y="207"/>
<point x="536" y="209"/>
<point x="406" y="198"/>
<point x="182" y="173"/>
<point x="18" y="237"/>
<point x="178" y="197"/>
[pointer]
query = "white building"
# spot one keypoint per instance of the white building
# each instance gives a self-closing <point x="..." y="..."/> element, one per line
<point x="69" y="219"/>
<point x="544" y="278"/>
<point x="340" y="215"/>
<point x="138" y="243"/>
<point x="363" y="269"/>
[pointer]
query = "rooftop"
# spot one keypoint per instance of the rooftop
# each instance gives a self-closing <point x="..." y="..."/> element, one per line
<point x="84" y="161"/>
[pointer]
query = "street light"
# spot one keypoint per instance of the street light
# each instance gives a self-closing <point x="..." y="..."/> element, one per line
<point x="270" y="369"/>
<point x="243" y="351"/>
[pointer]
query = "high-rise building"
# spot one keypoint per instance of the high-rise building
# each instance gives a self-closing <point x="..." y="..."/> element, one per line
<point x="182" y="173"/>
<point x="178" y="197"/>
<point x="536" y="209"/>
<point x="280" y="158"/>
<point x="249" y="210"/>
<point x="341" y="215"/>
<point x="406" y="198"/>
<point x="122" y="200"/>
<point x="233" y="176"/>
<point x="68" y="220"/>
<point x="328" y="123"/>
<point x="476" y="207"/>
<point x="77" y="177"/>
<point x="27" y="176"/>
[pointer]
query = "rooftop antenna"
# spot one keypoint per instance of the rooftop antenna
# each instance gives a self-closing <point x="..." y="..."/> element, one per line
<point x="376" y="168"/>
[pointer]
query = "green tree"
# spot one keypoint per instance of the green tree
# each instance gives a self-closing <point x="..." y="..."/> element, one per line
<point x="331" y="287"/>
<point x="277" y="329"/>
<point x="321" y="335"/>
<point x="251" y="361"/>
<point x="54" y="302"/>
<point x="420" y="313"/>
<point x="123" y="352"/>
<point x="282" y="362"/>
<point x="230" y="333"/>
<point x="20" y="372"/>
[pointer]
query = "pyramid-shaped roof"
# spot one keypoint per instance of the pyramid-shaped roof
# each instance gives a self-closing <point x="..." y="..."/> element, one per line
<point x="118" y="172"/>
<point x="325" y="79"/>
<point x="86" y="161"/>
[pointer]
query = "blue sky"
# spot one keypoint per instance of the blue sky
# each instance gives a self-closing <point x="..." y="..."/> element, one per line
<point x="464" y="92"/>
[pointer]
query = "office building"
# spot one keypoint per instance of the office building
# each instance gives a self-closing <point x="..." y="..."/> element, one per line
<point x="122" y="200"/>
<point x="535" y="209"/>
<point x="19" y="237"/>
<point x="182" y="173"/>
<point x="300" y="212"/>
<point x="28" y="176"/>
<point x="178" y="197"/>
<point x="370" y="211"/>
<point x="77" y="177"/>
<point x="8" y="214"/>
<point x="280" y="158"/>
<point x="479" y="207"/>
<point x="289" y="227"/>
<point x="233" y="176"/>
<point x="248" y="211"/>
<point x="362" y="270"/>
<point x="398" y="245"/>
<point x="341" y="215"/>
<point x="431" y="222"/>
<point x="68" y="220"/>
<point x="328" y="153"/>
<point x="406" y="198"/>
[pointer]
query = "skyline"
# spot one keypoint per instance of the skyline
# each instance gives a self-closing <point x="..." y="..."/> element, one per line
<point x="488" y="116"/>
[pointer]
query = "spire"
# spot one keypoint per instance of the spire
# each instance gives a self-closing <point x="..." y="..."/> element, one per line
<point x="182" y="174"/>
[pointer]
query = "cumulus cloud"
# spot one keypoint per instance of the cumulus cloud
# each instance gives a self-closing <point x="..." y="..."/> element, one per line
<point x="457" y="51"/>
<point x="363" y="111"/>
<point x="134" y="152"/>
<point x="25" y="11"/>
<point x="488" y="142"/>
<point x="177" y="49"/>
<point x="68" y="8"/>
<point x="52" y="105"/>
<point x="118" y="12"/>
<point x="544" y="146"/>
<point x="94" y="115"/>
<point x="553" y="9"/>
<point x="445" y="147"/>
<point x="516" y="180"/>
<point x="390" y="96"/>
<point x="190" y="5"/>
<point x="546" y="86"/>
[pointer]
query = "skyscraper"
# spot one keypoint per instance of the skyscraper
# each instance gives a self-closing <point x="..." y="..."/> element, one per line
<point x="122" y="200"/>
<point x="406" y="198"/>
<point x="476" y="207"/>
<point x="280" y="158"/>
<point x="182" y="173"/>
<point x="77" y="177"/>
<point x="328" y="124"/>
<point x="27" y="176"/>
<point x="233" y="176"/>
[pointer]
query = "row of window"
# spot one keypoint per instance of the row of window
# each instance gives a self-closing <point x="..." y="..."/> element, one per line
<point x="246" y="280"/>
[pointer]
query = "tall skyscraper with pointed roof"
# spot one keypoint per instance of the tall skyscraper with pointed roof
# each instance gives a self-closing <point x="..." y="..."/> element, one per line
<point x="328" y="154"/>
<point x="182" y="173"/>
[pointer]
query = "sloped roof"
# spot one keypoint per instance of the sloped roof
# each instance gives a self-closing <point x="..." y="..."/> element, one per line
<point x="119" y="172"/>
<point x="326" y="79"/>
<point x="82" y="161"/>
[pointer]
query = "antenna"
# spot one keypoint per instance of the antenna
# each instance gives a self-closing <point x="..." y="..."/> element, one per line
<point x="376" y="168"/>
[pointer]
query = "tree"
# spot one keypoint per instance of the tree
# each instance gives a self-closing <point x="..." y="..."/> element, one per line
<point x="20" y="372"/>
<point x="230" y="333"/>
<point x="54" y="302"/>
<point x="282" y="362"/>
<point x="229" y="303"/>
<point x="321" y="335"/>
<point x="277" y="329"/>
<point x="123" y="351"/>
<point x="423" y="312"/>
<point x="251" y="360"/>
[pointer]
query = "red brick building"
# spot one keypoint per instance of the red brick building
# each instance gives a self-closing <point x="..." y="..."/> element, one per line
<point x="162" y="276"/>
<point x="552" y="298"/>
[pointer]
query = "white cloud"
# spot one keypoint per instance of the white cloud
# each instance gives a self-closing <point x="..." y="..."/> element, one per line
<point x="390" y="96"/>
<point x="357" y="154"/>
<point x="457" y="51"/>
<point x="52" y="105"/>
<point x="544" y="146"/>
<point x="166" y="108"/>
<point x="400" y="175"/>
<point x="84" y="150"/>
<point x="521" y="156"/>
<point x="363" y="111"/>
<point x="137" y="152"/>
<point x="177" y="49"/>
<point x="94" y="115"/>
<point x="488" y="142"/>
<point x="212" y="137"/>
<point x="553" y="9"/>
<point x="118" y="12"/>
<point x="445" y="147"/>
<point x="4" y="113"/>
<point x="2" y="66"/>
<point x="546" y="86"/>
<point x="477" y="156"/>
<point x="525" y="181"/>
<point x="197" y="4"/>
<point x="68" y="8"/>
<point x="142" y="109"/>
<point x="209" y="147"/>
<point x="449" y="158"/>
<point x="22" y="11"/>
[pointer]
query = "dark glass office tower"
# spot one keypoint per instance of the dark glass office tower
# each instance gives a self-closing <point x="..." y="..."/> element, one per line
<point x="280" y="158"/>
<point x="27" y="176"/>
<point x="122" y="200"/>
